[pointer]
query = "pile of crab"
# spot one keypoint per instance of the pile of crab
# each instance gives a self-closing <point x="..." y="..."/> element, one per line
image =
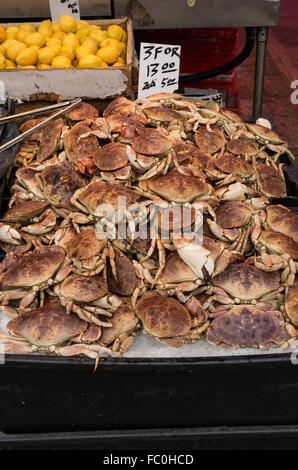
<point x="154" y="217"/>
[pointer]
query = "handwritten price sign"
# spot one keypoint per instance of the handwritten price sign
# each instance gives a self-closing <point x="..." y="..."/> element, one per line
<point x="159" y="69"/>
<point x="64" y="7"/>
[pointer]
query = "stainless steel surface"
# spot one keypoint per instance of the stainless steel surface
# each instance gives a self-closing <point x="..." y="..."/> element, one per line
<point x="40" y="8"/>
<point x="261" y="38"/>
<point x="42" y="124"/>
<point x="34" y="112"/>
<point x="205" y="13"/>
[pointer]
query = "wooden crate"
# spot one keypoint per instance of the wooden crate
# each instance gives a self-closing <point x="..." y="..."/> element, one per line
<point x="88" y="83"/>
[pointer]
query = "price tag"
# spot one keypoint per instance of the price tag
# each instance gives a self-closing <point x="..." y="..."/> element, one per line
<point x="64" y="7"/>
<point x="159" y="69"/>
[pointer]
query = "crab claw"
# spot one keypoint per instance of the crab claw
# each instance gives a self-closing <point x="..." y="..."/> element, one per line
<point x="86" y="165"/>
<point x="9" y="235"/>
<point x="192" y="252"/>
<point x="44" y="224"/>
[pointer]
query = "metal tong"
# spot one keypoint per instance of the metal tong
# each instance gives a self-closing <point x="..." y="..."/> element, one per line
<point x="70" y="105"/>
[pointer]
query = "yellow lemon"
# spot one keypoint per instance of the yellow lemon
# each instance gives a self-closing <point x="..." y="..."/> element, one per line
<point x="27" y="27"/>
<point x="56" y="27"/>
<point x="82" y="51"/>
<point x="46" y="29"/>
<point x="124" y="37"/>
<point x="82" y="24"/>
<point x="103" y="64"/>
<point x="45" y="55"/>
<point x="90" y="44"/>
<point x="93" y="27"/>
<point x="54" y="44"/>
<point x="10" y="64"/>
<point x="68" y="24"/>
<point x="61" y="62"/>
<point x="14" y="49"/>
<point x="98" y="36"/>
<point x="113" y="43"/>
<point x="59" y="35"/>
<point x="44" y="66"/>
<point x="35" y="48"/>
<point x="70" y="40"/>
<point x="82" y="34"/>
<point x="2" y="62"/>
<point x="11" y="32"/>
<point x="90" y="60"/>
<point x="5" y="45"/>
<point x="27" y="56"/>
<point x="108" y="54"/>
<point x="117" y="64"/>
<point x="26" y="67"/>
<point x="115" y="32"/>
<point x="120" y="60"/>
<point x="75" y="63"/>
<point x="67" y="52"/>
<point x="2" y="34"/>
<point x="21" y="35"/>
<point x="2" y="50"/>
<point x="35" y="39"/>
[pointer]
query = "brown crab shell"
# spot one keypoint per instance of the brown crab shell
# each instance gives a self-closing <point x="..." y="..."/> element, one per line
<point x="28" y="178"/>
<point x="209" y="142"/>
<point x="176" y="270"/>
<point x="124" y="321"/>
<point x="277" y="242"/>
<point x="265" y="133"/>
<point x="84" y="245"/>
<point x="163" y="317"/>
<point x="49" y="138"/>
<point x="246" y="282"/>
<point x="85" y="111"/>
<point x="48" y="325"/>
<point x="84" y="288"/>
<point x="31" y="269"/>
<point x="59" y="183"/>
<point x="291" y="303"/>
<point x="127" y="127"/>
<point x="101" y="192"/>
<point x="235" y="166"/>
<point x="25" y="211"/>
<point x="272" y="183"/>
<point x="176" y="187"/>
<point x="242" y="146"/>
<point x="247" y="326"/>
<point x="187" y="151"/>
<point x="281" y="219"/>
<point x="78" y="148"/>
<point x="27" y="125"/>
<point x="111" y="157"/>
<point x="126" y="277"/>
<point x="120" y="105"/>
<point x="157" y="114"/>
<point x="151" y="142"/>
<point x="164" y="96"/>
<point x="176" y="218"/>
<point x="232" y="214"/>
<point x="233" y="117"/>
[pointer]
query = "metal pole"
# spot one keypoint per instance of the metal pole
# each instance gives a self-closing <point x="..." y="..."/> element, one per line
<point x="261" y="37"/>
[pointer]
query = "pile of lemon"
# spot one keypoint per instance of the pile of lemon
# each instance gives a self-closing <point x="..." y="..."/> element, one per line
<point x="64" y="44"/>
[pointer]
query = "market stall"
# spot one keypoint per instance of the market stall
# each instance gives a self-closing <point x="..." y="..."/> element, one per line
<point x="184" y="340"/>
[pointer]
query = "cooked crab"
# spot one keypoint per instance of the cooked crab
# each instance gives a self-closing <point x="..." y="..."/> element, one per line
<point x="250" y="326"/>
<point x="33" y="217"/>
<point x="49" y="329"/>
<point x="49" y="140"/>
<point x="173" y="121"/>
<point x="87" y="252"/>
<point x="228" y="168"/>
<point x="270" y="140"/>
<point x="112" y="157"/>
<point x="22" y="276"/>
<point x="271" y="182"/>
<point x="277" y="251"/>
<point x="281" y="219"/>
<point x="85" y="111"/>
<point x="169" y="322"/>
<point x="120" y="105"/>
<point x="291" y="302"/>
<point x="81" y="142"/>
<point x="124" y="327"/>
<point x="88" y="297"/>
<point x="210" y="141"/>
<point x="232" y="222"/>
<point x="246" y="284"/>
<point x="124" y="129"/>
<point x="121" y="277"/>
<point x="243" y="147"/>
